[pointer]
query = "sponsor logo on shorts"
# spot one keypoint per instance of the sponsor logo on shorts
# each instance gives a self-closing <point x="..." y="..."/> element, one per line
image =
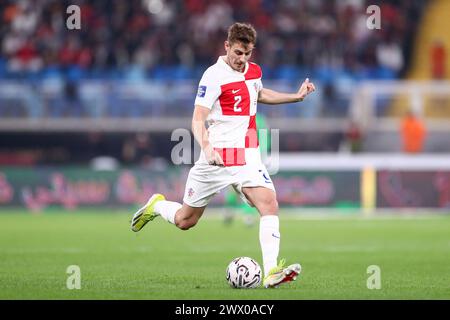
<point x="190" y="192"/>
<point x="266" y="178"/>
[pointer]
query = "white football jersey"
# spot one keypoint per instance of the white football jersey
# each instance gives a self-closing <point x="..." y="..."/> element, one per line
<point x="232" y="97"/>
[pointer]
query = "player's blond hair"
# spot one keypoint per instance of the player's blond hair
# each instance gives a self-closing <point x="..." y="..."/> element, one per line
<point x="242" y="32"/>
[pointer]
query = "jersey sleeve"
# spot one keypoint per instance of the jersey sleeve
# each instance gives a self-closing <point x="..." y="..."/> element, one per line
<point x="208" y="90"/>
<point x="255" y="73"/>
<point x="260" y="84"/>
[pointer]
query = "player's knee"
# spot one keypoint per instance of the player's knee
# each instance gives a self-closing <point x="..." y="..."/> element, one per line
<point x="271" y="205"/>
<point x="186" y="224"/>
<point x="182" y="224"/>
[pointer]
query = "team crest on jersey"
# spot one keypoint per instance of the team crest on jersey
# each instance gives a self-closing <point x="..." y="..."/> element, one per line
<point x="201" y="91"/>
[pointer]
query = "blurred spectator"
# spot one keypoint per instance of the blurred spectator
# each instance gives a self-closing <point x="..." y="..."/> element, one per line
<point x="137" y="149"/>
<point x="93" y="145"/>
<point x="438" y="60"/>
<point x="72" y="99"/>
<point x="413" y="133"/>
<point x="26" y="58"/>
<point x="390" y="55"/>
<point x="353" y="137"/>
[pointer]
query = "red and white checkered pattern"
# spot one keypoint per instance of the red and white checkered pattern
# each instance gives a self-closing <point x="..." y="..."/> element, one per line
<point x="232" y="97"/>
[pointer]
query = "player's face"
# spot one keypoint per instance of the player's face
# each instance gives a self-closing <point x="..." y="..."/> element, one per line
<point x="238" y="54"/>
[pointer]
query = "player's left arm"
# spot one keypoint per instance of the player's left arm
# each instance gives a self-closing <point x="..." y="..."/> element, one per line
<point x="269" y="96"/>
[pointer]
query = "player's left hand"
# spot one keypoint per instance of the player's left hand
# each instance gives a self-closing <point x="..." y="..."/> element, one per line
<point x="305" y="89"/>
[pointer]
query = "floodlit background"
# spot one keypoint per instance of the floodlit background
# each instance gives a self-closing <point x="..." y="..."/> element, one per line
<point x="89" y="105"/>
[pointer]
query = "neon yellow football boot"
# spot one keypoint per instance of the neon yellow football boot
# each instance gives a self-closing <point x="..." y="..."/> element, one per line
<point x="146" y="213"/>
<point x="280" y="274"/>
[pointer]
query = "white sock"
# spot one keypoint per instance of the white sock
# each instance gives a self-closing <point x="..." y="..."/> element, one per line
<point x="167" y="210"/>
<point x="269" y="238"/>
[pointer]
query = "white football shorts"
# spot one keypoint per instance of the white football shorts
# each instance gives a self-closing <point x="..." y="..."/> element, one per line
<point x="204" y="181"/>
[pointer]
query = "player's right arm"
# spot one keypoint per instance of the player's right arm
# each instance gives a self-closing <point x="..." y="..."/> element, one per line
<point x="208" y="93"/>
<point x="201" y="135"/>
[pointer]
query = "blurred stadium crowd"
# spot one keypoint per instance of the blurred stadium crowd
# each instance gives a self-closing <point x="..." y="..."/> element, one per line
<point x="130" y="56"/>
<point x="177" y="39"/>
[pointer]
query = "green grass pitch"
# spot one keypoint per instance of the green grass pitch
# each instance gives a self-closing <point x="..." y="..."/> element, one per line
<point x="162" y="262"/>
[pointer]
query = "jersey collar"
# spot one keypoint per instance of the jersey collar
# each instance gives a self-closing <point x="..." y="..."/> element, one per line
<point x="222" y="62"/>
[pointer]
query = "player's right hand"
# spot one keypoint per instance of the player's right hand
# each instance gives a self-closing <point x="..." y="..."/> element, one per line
<point x="305" y="89"/>
<point x="213" y="157"/>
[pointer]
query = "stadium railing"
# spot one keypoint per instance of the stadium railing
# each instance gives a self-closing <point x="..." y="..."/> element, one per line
<point x="155" y="106"/>
<point x="376" y="105"/>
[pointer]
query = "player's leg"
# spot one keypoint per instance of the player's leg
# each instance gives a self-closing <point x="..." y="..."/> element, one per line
<point x="186" y="217"/>
<point x="181" y="215"/>
<point x="202" y="184"/>
<point x="264" y="199"/>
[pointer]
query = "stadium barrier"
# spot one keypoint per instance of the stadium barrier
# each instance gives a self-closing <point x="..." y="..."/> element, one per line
<point x="387" y="181"/>
<point x="48" y="104"/>
<point x="377" y="105"/>
<point x="364" y="182"/>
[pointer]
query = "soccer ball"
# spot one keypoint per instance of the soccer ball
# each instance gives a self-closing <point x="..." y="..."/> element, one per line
<point x="244" y="272"/>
